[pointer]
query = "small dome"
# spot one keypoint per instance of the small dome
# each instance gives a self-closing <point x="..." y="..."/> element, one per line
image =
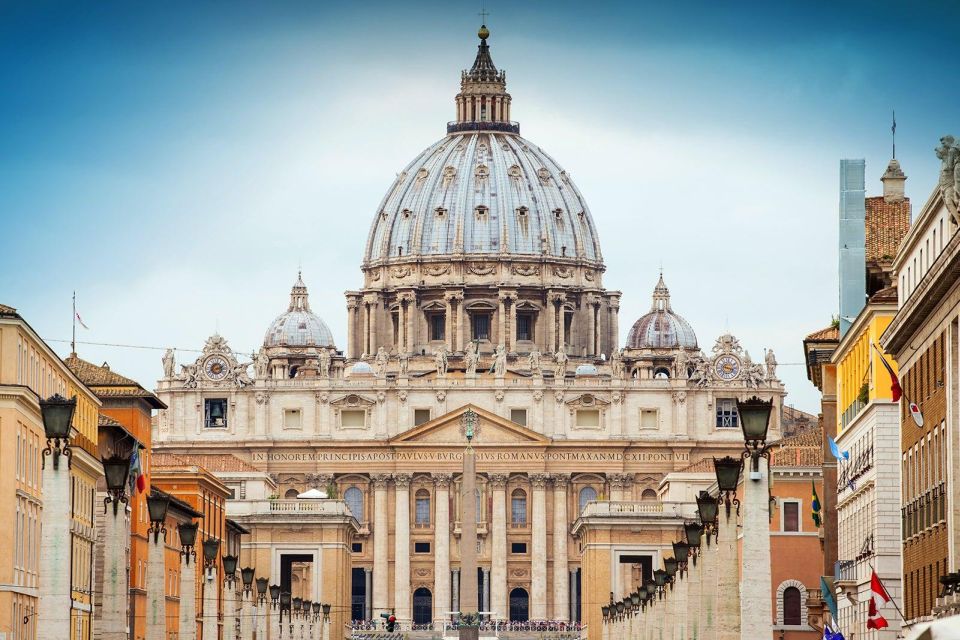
<point x="661" y="328"/>
<point x="585" y="370"/>
<point x="298" y="326"/>
<point x="360" y="368"/>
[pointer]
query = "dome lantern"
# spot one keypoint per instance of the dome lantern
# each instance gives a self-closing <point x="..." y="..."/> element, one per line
<point x="483" y="103"/>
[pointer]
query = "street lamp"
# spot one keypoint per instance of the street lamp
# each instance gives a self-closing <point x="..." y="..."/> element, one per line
<point x="660" y="580"/>
<point x="57" y="414"/>
<point x="755" y="421"/>
<point x="230" y="569"/>
<point x="188" y="539"/>
<point x="693" y="531"/>
<point x="635" y="601"/>
<point x="671" y="565"/>
<point x="728" y="477"/>
<point x="326" y="611"/>
<point x="274" y="594"/>
<point x="246" y="577"/>
<point x="707" y="510"/>
<point x="605" y="610"/>
<point x="284" y="606"/>
<point x="157" y="505"/>
<point x="620" y="607"/>
<point x="681" y="551"/>
<point x="116" y="469"/>
<point x="210" y="548"/>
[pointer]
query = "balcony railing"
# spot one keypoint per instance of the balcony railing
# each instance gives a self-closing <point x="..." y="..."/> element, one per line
<point x="258" y="507"/>
<point x="503" y="127"/>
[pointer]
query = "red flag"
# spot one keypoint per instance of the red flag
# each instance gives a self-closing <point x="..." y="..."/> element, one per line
<point x="877" y="592"/>
<point x="141" y="483"/>
<point x="895" y="389"/>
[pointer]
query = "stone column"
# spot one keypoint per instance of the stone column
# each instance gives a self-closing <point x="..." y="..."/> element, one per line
<point x="410" y="316"/>
<point x="113" y="622"/>
<point x="401" y="552"/>
<point x="561" y="326"/>
<point x="681" y="608"/>
<point x="461" y="324"/>
<point x="538" y="553"/>
<point x="512" y="333"/>
<point x="401" y="325"/>
<point x="188" y="597"/>
<point x="351" y="329"/>
<point x="441" y="546"/>
<point x="591" y="326"/>
<point x="156" y="589"/>
<point x="247" y="613"/>
<point x="456" y="590"/>
<point x="365" y="337"/>
<point x="498" y="548"/>
<point x="468" y="533"/>
<point x="756" y="603"/>
<point x="448" y="323"/>
<point x="368" y="594"/>
<point x="694" y="574"/>
<point x="614" y="323"/>
<point x="229" y="610"/>
<point x="502" y="319"/>
<point x="727" y="594"/>
<point x="53" y="611"/>
<point x="485" y="597"/>
<point x="372" y="327"/>
<point x="211" y="613"/>
<point x="574" y="596"/>
<point x="551" y="345"/>
<point x="381" y="533"/>
<point x="707" y="611"/>
<point x="561" y="577"/>
<point x="263" y="627"/>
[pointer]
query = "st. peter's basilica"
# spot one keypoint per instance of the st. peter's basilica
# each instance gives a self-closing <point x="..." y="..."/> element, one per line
<point x="482" y="289"/>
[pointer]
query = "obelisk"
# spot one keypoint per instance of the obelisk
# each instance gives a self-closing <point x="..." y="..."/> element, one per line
<point x="468" y="531"/>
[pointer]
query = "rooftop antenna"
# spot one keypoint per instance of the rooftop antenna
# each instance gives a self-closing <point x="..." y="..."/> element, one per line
<point x="893" y="134"/>
<point x="73" y="338"/>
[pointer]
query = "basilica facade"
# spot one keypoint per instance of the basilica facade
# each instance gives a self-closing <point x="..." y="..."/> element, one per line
<point x="482" y="289"/>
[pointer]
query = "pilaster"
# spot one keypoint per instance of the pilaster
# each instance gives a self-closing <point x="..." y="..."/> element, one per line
<point x="560" y="566"/>
<point x="401" y="567"/>
<point x="538" y="554"/>
<point x="498" y="550"/>
<point x="441" y="545"/>
<point x="380" y="545"/>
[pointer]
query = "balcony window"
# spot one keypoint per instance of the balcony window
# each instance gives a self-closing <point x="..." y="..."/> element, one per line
<point x="727" y="414"/>
<point x="588" y="418"/>
<point x="438" y="325"/>
<point x="518" y="508"/>
<point x="354" y="499"/>
<point x="215" y="413"/>
<point x="524" y="326"/>
<point x="480" y="326"/>
<point x="587" y="494"/>
<point x="422" y="510"/>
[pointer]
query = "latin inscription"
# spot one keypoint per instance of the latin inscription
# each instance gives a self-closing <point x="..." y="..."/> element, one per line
<point x="454" y="456"/>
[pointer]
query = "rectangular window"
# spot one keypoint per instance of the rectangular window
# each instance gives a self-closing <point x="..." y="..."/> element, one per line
<point x="353" y="418"/>
<point x="420" y="416"/>
<point x="357" y="547"/>
<point x="518" y="416"/>
<point x="791" y="516"/>
<point x="727" y="414"/>
<point x="438" y="325"/>
<point x="518" y="547"/>
<point x="421" y="547"/>
<point x="291" y="419"/>
<point x="481" y="326"/>
<point x="524" y="326"/>
<point x="588" y="418"/>
<point x="215" y="412"/>
<point x="649" y="419"/>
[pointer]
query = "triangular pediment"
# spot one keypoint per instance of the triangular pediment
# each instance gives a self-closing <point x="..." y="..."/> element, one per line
<point x="491" y="430"/>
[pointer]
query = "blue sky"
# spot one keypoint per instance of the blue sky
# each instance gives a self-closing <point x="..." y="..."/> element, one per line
<point x="175" y="162"/>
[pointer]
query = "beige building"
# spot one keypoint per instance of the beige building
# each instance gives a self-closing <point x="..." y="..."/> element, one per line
<point x="482" y="290"/>
<point x="29" y="372"/>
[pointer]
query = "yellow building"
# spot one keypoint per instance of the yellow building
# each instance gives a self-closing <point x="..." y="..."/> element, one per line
<point x="31" y="371"/>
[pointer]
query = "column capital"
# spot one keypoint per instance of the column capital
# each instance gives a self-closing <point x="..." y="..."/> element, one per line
<point x="539" y="480"/>
<point x="380" y="480"/>
<point x="453" y="296"/>
<point x="401" y="480"/>
<point x="442" y="480"/>
<point x="406" y="296"/>
<point x="557" y="296"/>
<point x="560" y="480"/>
<point x="498" y="480"/>
<point x="620" y="480"/>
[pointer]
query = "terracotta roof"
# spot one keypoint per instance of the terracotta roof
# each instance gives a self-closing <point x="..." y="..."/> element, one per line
<point x="107" y="383"/>
<point x="7" y="311"/>
<point x="107" y="421"/>
<point x="827" y="333"/>
<point x="885" y="295"/>
<point x="211" y="462"/>
<point x="885" y="224"/>
<point x="700" y="466"/>
<point x="802" y="450"/>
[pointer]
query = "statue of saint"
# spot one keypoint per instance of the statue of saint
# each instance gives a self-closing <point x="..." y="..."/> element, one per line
<point x="949" y="154"/>
<point x="168" y="363"/>
<point x="771" y="361"/>
<point x="240" y="375"/>
<point x="616" y="364"/>
<point x="404" y="358"/>
<point x="440" y="360"/>
<point x="262" y="364"/>
<point x="680" y="364"/>
<point x="189" y="374"/>
<point x="533" y="361"/>
<point x="381" y="362"/>
<point x="471" y="358"/>
<point x="500" y="361"/>
<point x="560" y="362"/>
<point x="325" y="363"/>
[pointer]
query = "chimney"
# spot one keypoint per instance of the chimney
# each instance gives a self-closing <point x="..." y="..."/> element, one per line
<point x="893" y="182"/>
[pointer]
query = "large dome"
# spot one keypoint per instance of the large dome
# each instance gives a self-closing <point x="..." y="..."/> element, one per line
<point x="483" y="193"/>
<point x="661" y="328"/>
<point x="298" y="327"/>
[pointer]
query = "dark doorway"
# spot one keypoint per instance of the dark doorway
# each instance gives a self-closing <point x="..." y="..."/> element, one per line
<point x="480" y="589"/>
<point x="358" y="595"/>
<point x="422" y="606"/>
<point x="287" y="560"/>
<point x="646" y="566"/>
<point x="519" y="605"/>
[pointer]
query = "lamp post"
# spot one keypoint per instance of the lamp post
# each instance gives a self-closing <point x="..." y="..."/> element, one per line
<point x="156" y="628"/>
<point x="263" y="607"/>
<point x="247" y="612"/>
<point x="113" y="621"/>
<point x="285" y="603"/>
<point x="756" y="601"/>
<point x="210" y="613"/>
<point x="230" y="621"/>
<point x="55" y="559"/>
<point x="187" y="532"/>
<point x="726" y="598"/>
<point x="693" y="532"/>
<point x="707" y="508"/>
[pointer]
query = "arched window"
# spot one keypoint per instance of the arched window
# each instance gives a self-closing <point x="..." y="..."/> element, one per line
<point x="661" y="373"/>
<point x="354" y="499"/>
<point x="792" y="606"/>
<point x="519" y="605"/>
<point x="291" y="494"/>
<point x="518" y="508"/>
<point x="422" y="510"/>
<point x="422" y="606"/>
<point x="586" y="495"/>
<point x="648" y="495"/>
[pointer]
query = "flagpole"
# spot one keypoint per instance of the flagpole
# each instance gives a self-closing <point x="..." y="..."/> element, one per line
<point x="73" y="338"/>
<point x="892" y="599"/>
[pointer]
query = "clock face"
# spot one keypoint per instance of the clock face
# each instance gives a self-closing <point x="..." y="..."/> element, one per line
<point x="216" y="368"/>
<point x="727" y="367"/>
